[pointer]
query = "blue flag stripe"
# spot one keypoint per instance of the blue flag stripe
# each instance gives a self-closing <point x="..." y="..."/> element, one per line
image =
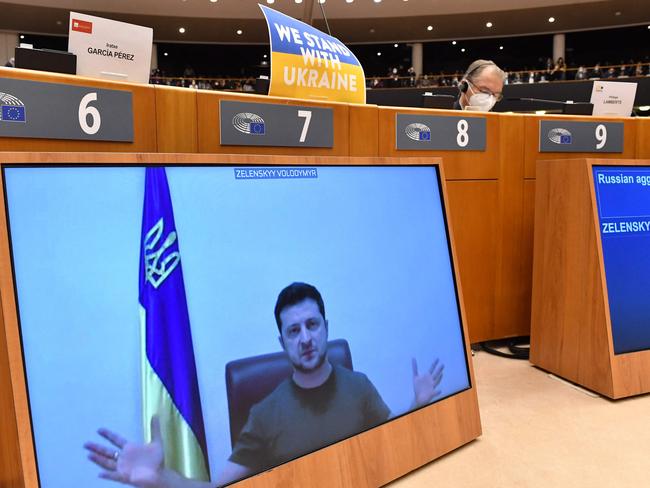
<point x="162" y="294"/>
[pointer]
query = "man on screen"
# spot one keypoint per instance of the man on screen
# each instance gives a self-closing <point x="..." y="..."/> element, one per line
<point x="320" y="404"/>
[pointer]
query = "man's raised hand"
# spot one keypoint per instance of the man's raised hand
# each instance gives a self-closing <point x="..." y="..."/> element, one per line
<point x="425" y="385"/>
<point x="130" y="463"/>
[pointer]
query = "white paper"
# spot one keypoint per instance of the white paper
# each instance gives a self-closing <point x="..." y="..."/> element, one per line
<point x="613" y="98"/>
<point x="110" y="49"/>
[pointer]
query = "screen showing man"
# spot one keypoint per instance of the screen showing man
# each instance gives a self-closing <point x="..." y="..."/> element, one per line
<point x="368" y="242"/>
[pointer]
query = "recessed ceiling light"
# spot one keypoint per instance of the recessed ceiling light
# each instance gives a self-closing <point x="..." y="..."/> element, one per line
<point x="453" y="43"/>
<point x="58" y="22"/>
<point x="429" y="27"/>
<point x="266" y="56"/>
<point x="500" y="48"/>
<point x="378" y="53"/>
<point x="22" y="37"/>
<point x="395" y="45"/>
<point x="372" y="30"/>
<point x="239" y="32"/>
<point x="165" y="54"/>
<point x="181" y="30"/>
<point x="617" y="13"/>
<point x="488" y="24"/>
<point x="551" y="19"/>
<point x="462" y="50"/>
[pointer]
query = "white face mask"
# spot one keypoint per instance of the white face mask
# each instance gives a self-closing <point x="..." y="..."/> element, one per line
<point x="482" y="102"/>
<point x="479" y="101"/>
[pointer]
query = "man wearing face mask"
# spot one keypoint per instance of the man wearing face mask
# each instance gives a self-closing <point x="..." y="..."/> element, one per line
<point x="481" y="86"/>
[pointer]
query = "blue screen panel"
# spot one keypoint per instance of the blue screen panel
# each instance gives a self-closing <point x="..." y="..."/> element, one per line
<point x="623" y="201"/>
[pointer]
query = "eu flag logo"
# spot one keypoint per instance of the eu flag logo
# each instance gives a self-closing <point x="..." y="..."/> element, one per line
<point x="566" y="139"/>
<point x="425" y="136"/>
<point x="13" y="113"/>
<point x="257" y="128"/>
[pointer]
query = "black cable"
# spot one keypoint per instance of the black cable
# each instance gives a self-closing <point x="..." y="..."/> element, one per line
<point x="322" y="9"/>
<point x="514" y="345"/>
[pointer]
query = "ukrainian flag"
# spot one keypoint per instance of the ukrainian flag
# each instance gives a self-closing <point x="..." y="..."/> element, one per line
<point x="169" y="382"/>
<point x="307" y="63"/>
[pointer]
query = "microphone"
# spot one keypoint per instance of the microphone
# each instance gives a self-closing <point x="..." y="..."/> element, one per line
<point x="544" y="100"/>
<point x="569" y="107"/>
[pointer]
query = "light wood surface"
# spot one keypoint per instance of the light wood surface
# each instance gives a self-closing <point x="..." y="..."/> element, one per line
<point x="144" y="115"/>
<point x="570" y="326"/>
<point x="176" y="119"/>
<point x="364" y="137"/>
<point x="209" y="125"/>
<point x="643" y="138"/>
<point x="10" y="465"/>
<point x="368" y="460"/>
<point x="473" y="212"/>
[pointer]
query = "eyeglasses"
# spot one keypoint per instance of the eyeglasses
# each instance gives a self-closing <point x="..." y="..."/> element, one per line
<point x="497" y="96"/>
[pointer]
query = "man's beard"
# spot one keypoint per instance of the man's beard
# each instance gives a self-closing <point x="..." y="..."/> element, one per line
<point x="321" y="359"/>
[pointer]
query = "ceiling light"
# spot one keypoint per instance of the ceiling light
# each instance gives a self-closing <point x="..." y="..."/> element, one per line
<point x="22" y="37"/>
<point x="239" y="32"/>
<point x="213" y="1"/>
<point x="395" y="45"/>
<point x="488" y="24"/>
<point x="349" y="1"/>
<point x="181" y="30"/>
<point x="165" y="54"/>
<point x="551" y="19"/>
<point x="379" y="53"/>
<point x="617" y="13"/>
<point x="270" y="1"/>
<point x="377" y="1"/>
<point x="500" y="48"/>
<point x="372" y="30"/>
<point x="453" y="43"/>
<point x="429" y="27"/>
<point x="462" y="50"/>
<point x="266" y="56"/>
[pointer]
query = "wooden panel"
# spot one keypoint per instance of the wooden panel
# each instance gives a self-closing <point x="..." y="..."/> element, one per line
<point x="643" y="138"/>
<point x="176" y="119"/>
<point x="473" y="210"/>
<point x="513" y="276"/>
<point x="371" y="459"/>
<point x="569" y="331"/>
<point x="364" y="126"/>
<point x="144" y="115"/>
<point x="10" y="466"/>
<point x="209" y="125"/>
<point x="459" y="165"/>
<point x="531" y="141"/>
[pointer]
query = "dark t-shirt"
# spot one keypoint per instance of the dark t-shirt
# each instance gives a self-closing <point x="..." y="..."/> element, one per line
<point x="293" y="421"/>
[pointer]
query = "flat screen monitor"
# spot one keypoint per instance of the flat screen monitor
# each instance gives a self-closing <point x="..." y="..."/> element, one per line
<point x="623" y="201"/>
<point x="373" y="240"/>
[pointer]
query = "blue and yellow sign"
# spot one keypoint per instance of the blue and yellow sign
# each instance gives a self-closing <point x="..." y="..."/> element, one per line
<point x="307" y="63"/>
